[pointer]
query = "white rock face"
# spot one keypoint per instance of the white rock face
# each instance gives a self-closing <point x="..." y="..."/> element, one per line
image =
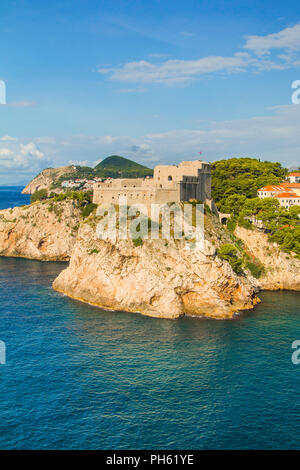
<point x="37" y="232"/>
<point x="156" y="279"/>
<point x="282" y="271"/>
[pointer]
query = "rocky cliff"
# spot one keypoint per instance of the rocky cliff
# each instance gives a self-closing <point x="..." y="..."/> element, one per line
<point x="42" y="231"/>
<point x="158" y="279"/>
<point x="46" y="178"/>
<point x="282" y="271"/>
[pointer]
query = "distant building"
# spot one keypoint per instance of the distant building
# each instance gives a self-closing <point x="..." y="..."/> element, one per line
<point x="288" y="194"/>
<point x="288" y="199"/>
<point x="69" y="184"/>
<point x="292" y="187"/>
<point x="82" y="183"/>
<point x="294" y="177"/>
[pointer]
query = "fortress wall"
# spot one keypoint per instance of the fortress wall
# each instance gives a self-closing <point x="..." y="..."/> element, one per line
<point x="144" y="195"/>
<point x="162" y="196"/>
<point x="134" y="195"/>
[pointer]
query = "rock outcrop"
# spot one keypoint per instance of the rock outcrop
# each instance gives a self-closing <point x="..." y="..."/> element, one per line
<point x="46" y="178"/>
<point x="158" y="279"/>
<point x="42" y="231"/>
<point x="282" y="270"/>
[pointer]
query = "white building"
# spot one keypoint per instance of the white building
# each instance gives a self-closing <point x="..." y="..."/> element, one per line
<point x="288" y="199"/>
<point x="294" y="177"/>
<point x="288" y="194"/>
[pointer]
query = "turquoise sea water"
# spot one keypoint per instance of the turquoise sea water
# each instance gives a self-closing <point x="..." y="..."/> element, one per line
<point x="79" y="377"/>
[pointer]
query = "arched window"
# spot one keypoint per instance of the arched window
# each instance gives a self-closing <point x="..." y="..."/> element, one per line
<point x="170" y="178"/>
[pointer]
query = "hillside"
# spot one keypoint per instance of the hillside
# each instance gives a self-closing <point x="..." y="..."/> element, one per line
<point x="120" y="167"/>
<point x="48" y="177"/>
<point x="111" y="167"/>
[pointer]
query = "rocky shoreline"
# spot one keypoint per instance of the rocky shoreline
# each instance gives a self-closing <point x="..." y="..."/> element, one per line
<point x="158" y="278"/>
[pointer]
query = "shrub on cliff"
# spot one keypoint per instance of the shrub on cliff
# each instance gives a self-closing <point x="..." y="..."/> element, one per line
<point x="255" y="268"/>
<point x="88" y="209"/>
<point x="229" y="253"/>
<point x="39" y="195"/>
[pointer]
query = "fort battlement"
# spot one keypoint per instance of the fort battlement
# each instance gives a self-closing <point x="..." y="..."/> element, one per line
<point x="170" y="183"/>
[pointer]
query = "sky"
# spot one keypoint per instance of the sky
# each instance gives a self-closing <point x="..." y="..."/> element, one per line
<point x="156" y="81"/>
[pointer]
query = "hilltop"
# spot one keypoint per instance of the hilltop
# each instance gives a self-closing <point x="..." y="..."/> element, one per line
<point x="120" y="167"/>
<point x="111" y="167"/>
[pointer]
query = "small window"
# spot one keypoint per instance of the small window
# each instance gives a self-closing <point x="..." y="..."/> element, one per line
<point x="170" y="178"/>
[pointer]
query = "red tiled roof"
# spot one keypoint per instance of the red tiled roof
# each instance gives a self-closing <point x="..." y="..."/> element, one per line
<point x="293" y="195"/>
<point x="294" y="173"/>
<point x="291" y="185"/>
<point x="272" y="188"/>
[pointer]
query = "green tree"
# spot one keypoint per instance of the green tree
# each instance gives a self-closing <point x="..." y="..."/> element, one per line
<point x="229" y="253"/>
<point x="39" y="195"/>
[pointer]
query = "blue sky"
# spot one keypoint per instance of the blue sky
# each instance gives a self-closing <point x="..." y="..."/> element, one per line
<point x="156" y="81"/>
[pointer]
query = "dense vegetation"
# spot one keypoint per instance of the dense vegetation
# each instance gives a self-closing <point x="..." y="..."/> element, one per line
<point x="234" y="188"/>
<point x="242" y="176"/>
<point x="83" y="200"/>
<point x="282" y="225"/>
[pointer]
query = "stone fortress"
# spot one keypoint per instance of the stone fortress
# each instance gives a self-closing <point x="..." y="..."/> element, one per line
<point x="170" y="183"/>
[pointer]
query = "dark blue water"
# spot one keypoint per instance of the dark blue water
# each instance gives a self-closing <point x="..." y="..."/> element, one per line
<point x="80" y="377"/>
<point x="11" y="196"/>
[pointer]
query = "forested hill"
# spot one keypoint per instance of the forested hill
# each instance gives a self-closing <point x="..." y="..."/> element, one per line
<point x="243" y="176"/>
<point x="120" y="167"/>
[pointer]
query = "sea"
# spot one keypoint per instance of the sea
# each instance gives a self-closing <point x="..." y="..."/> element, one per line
<point x="79" y="377"/>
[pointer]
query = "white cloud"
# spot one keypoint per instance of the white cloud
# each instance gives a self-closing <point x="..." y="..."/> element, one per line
<point x="19" y="161"/>
<point x="5" y="154"/>
<point x="7" y="138"/>
<point x="273" y="137"/>
<point x="173" y="72"/>
<point x="177" y="71"/>
<point x="288" y="38"/>
<point x="30" y="150"/>
<point x="22" y="104"/>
